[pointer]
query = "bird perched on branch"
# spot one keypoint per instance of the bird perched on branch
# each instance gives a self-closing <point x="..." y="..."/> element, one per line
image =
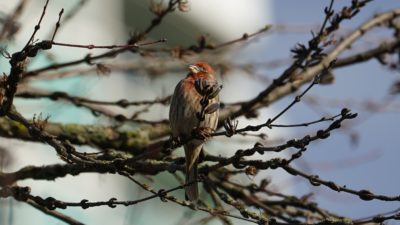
<point x="194" y="116"/>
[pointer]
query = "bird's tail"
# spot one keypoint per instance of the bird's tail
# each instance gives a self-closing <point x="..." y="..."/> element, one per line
<point x="192" y="190"/>
<point x="192" y="153"/>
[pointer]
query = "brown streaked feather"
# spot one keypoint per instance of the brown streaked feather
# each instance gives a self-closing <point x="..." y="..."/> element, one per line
<point x="184" y="120"/>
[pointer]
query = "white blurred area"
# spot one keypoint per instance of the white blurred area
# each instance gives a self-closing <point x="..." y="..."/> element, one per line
<point x="101" y="22"/>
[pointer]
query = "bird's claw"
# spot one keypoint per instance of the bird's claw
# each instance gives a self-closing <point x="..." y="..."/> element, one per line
<point x="202" y="133"/>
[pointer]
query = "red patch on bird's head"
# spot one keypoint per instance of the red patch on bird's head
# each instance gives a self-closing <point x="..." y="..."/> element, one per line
<point x="201" y="68"/>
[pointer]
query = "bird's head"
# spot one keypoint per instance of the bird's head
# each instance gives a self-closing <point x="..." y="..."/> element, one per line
<point x="201" y="69"/>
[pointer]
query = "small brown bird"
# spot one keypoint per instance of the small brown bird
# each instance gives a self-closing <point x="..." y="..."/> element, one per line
<point x="185" y="104"/>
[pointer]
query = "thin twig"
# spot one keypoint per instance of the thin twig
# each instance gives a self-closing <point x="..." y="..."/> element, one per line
<point x="37" y="27"/>
<point x="55" y="214"/>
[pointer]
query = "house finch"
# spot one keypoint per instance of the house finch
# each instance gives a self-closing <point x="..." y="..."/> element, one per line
<point x="183" y="115"/>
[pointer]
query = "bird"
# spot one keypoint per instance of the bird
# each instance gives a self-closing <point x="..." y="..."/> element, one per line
<point x="183" y="116"/>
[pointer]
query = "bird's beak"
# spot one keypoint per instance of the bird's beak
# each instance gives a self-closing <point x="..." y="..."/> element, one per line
<point x="194" y="69"/>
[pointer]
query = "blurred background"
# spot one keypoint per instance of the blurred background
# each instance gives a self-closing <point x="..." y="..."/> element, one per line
<point x="362" y="155"/>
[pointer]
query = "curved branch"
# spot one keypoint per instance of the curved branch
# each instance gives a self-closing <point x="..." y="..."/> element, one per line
<point x="267" y="97"/>
<point x="384" y="47"/>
